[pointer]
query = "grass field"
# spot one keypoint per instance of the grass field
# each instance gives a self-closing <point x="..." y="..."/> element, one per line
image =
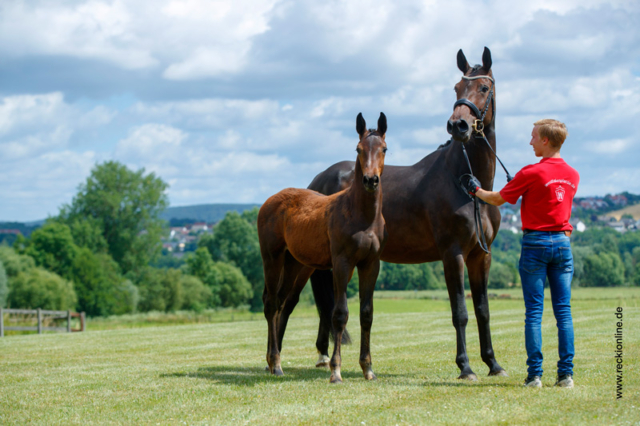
<point x="212" y="373"/>
<point x="633" y="210"/>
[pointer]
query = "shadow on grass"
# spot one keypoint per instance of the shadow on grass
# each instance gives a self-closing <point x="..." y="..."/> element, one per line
<point x="487" y="382"/>
<point x="245" y="376"/>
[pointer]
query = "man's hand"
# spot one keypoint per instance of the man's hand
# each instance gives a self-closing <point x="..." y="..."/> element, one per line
<point x="472" y="185"/>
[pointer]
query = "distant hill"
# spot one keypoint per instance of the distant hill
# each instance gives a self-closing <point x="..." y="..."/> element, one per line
<point x="209" y="213"/>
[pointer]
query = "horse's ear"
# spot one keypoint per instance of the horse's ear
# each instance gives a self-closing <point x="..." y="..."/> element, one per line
<point x="382" y="124"/>
<point x="486" y="59"/>
<point x="463" y="65"/>
<point x="361" y="125"/>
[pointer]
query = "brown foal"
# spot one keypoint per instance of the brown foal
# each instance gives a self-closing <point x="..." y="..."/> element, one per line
<point x="302" y="230"/>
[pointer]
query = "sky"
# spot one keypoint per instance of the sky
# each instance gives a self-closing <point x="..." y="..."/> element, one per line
<point x="231" y="101"/>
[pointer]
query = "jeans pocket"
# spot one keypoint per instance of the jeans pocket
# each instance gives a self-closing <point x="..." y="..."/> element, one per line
<point x="566" y="257"/>
<point x="532" y="258"/>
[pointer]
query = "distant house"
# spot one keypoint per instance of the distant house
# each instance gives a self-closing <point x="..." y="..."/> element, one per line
<point x="593" y="203"/>
<point x="200" y="227"/>
<point x="618" y="200"/>
<point x="617" y="225"/>
<point x="578" y="225"/>
<point x="10" y="232"/>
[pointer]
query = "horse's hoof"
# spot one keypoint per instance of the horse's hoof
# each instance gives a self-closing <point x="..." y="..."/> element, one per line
<point x="370" y="376"/>
<point x="323" y="361"/>
<point x="266" y="368"/>
<point x="335" y="380"/>
<point x="500" y="372"/>
<point x="471" y="377"/>
<point x="278" y="371"/>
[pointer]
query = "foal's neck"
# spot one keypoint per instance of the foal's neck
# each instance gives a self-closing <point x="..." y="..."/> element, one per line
<point x="368" y="204"/>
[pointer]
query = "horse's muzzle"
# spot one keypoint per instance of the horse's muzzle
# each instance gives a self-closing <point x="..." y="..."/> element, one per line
<point x="371" y="182"/>
<point x="459" y="129"/>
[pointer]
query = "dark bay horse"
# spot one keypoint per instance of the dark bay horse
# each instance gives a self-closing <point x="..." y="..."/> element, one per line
<point x="301" y="230"/>
<point x="429" y="217"/>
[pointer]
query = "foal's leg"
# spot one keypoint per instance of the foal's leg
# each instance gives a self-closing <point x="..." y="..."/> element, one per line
<point x="478" y="264"/>
<point x="295" y="277"/>
<point x="273" y="266"/>
<point x="454" y="275"/>
<point x="368" y="275"/>
<point x="342" y="272"/>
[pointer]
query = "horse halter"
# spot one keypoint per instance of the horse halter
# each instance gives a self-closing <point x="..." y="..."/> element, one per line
<point x="478" y="124"/>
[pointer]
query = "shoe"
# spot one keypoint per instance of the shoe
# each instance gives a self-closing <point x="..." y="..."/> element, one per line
<point x="564" y="381"/>
<point x="533" y="382"/>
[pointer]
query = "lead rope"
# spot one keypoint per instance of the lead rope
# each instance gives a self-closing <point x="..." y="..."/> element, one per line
<point x="478" y="128"/>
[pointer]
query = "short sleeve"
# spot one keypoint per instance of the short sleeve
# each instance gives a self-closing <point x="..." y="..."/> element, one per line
<point x="515" y="188"/>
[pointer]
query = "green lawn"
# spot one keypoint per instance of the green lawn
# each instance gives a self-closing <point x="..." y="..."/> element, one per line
<point x="212" y="373"/>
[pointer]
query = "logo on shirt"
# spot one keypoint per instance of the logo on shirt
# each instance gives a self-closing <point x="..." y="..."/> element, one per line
<point x="560" y="193"/>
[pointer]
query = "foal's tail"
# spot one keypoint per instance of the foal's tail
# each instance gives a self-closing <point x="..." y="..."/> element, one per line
<point x="322" y="285"/>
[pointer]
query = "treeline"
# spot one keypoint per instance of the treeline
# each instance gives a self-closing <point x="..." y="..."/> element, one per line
<point x="102" y="254"/>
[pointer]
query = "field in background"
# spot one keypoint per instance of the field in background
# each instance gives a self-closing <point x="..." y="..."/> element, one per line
<point x="633" y="210"/>
<point x="213" y="373"/>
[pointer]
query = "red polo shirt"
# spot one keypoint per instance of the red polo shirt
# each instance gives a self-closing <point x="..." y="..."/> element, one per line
<point x="547" y="191"/>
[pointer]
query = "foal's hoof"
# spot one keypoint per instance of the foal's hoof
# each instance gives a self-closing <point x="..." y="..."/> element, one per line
<point x="278" y="371"/>
<point x="323" y="361"/>
<point x="370" y="376"/>
<point x="500" y="372"/>
<point x="471" y="377"/>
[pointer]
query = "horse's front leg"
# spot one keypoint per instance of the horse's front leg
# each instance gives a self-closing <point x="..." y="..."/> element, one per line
<point x="273" y="268"/>
<point x="342" y="271"/>
<point x="454" y="275"/>
<point x="368" y="274"/>
<point x="478" y="265"/>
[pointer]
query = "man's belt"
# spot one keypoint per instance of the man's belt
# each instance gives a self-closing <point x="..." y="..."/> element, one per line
<point x="567" y="233"/>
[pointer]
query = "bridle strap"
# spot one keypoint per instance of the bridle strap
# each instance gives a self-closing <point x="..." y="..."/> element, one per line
<point x="474" y="109"/>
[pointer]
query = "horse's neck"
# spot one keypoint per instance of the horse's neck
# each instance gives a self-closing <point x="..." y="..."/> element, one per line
<point x="369" y="204"/>
<point x="483" y="161"/>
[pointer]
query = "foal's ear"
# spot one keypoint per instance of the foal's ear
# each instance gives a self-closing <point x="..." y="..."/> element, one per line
<point x="382" y="124"/>
<point x="486" y="59"/>
<point x="361" y="125"/>
<point x="463" y="65"/>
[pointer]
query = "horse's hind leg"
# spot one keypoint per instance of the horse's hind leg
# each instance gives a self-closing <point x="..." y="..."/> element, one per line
<point x="295" y="277"/>
<point x="273" y="268"/>
<point x="454" y="275"/>
<point x="368" y="276"/>
<point x="478" y="264"/>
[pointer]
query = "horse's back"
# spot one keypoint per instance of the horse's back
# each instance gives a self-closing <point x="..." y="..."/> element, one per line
<point x="296" y="220"/>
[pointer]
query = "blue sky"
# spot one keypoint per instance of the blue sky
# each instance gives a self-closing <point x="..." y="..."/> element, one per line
<point x="230" y="101"/>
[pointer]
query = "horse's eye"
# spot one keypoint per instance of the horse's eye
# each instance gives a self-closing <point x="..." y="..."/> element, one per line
<point x="359" y="151"/>
<point x="384" y="150"/>
<point x="484" y="89"/>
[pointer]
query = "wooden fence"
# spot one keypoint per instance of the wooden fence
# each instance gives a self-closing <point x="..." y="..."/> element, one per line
<point x="41" y="314"/>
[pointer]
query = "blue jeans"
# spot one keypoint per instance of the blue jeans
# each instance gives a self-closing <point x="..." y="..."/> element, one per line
<point x="547" y="255"/>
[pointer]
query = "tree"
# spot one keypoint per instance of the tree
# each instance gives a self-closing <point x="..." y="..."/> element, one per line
<point x="228" y="284"/>
<point x="15" y="263"/>
<point x="100" y="287"/>
<point x="235" y="241"/>
<point x="52" y="248"/>
<point x="196" y="295"/>
<point x="39" y="288"/>
<point x="501" y="276"/>
<point x="125" y="207"/>
<point x="604" y="269"/>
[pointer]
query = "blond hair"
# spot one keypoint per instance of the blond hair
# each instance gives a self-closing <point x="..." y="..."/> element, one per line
<point x="553" y="130"/>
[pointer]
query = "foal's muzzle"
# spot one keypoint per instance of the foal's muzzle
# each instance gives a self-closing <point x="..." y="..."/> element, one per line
<point x="371" y="182"/>
<point x="459" y="129"/>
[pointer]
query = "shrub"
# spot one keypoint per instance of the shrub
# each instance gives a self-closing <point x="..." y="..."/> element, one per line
<point x="15" y="263"/>
<point x="196" y="295"/>
<point x="38" y="288"/>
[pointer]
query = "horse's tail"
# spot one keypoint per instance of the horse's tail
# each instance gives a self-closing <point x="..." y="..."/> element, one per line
<point x="322" y="285"/>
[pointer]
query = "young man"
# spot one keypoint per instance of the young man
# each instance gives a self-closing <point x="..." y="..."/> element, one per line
<point x="547" y="189"/>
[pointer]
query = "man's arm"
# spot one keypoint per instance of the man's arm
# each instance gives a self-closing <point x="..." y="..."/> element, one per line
<point x="491" y="197"/>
